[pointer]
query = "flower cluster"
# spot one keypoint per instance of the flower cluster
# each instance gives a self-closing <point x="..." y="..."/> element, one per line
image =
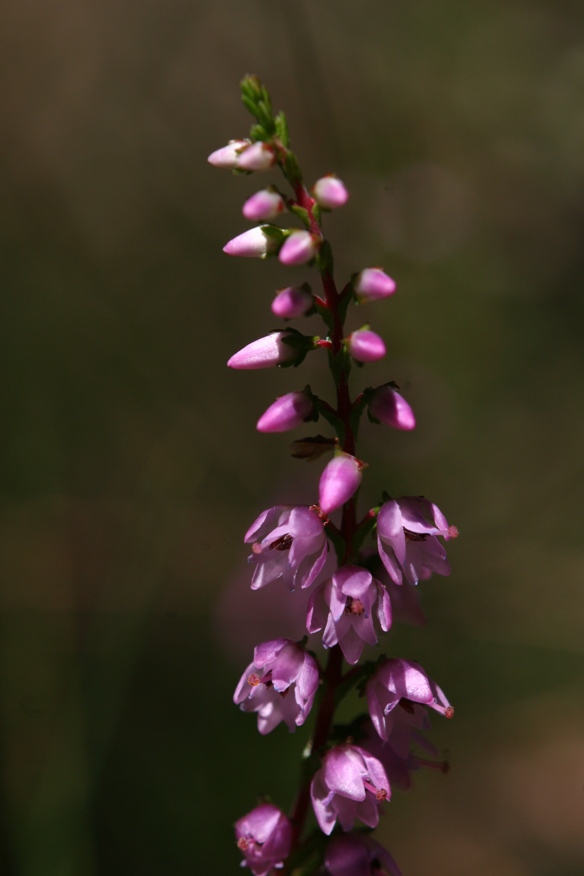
<point x="350" y="775"/>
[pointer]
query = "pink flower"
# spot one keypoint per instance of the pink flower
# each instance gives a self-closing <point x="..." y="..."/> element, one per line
<point x="398" y="679"/>
<point x="300" y="247"/>
<point x="387" y="406"/>
<point x="292" y="301"/>
<point x="264" y="205"/>
<point x="288" y="542"/>
<point x="365" y="346"/>
<point x="339" y="481"/>
<point x="264" y="836"/>
<point x="228" y="155"/>
<point x="405" y="726"/>
<point x="277" y="348"/>
<point x="287" y="412"/>
<point x="279" y="685"/>
<point x="358" y="854"/>
<point x="407" y="531"/>
<point x="256" y="243"/>
<point x="350" y="784"/>
<point x="372" y="284"/>
<point x="343" y="605"/>
<point x="258" y="156"/>
<point x="330" y="192"/>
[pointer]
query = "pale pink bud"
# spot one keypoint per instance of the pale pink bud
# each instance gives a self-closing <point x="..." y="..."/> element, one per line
<point x="373" y="283"/>
<point x="258" y="156"/>
<point x="287" y="412"/>
<point x="391" y="408"/>
<point x="266" y="352"/>
<point x="263" y="205"/>
<point x="292" y="301"/>
<point x="256" y="243"/>
<point x="300" y="247"/>
<point x="330" y="192"/>
<point x="228" y="155"/>
<point x="365" y="346"/>
<point x="339" y="481"/>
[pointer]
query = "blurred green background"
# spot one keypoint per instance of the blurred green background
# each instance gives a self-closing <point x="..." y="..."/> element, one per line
<point x="130" y="468"/>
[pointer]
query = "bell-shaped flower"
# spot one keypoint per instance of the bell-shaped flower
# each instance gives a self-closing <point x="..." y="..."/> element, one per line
<point x="292" y="302"/>
<point x="299" y="248"/>
<point x="279" y="685"/>
<point x="256" y="243"/>
<point x="339" y="481"/>
<point x="398" y="679"/>
<point x="358" y="854"/>
<point x="278" y="348"/>
<point x="288" y="542"/>
<point x="372" y="284"/>
<point x="264" y="205"/>
<point x="287" y="412"/>
<point x="407" y="539"/>
<point x="350" y="784"/>
<point x="330" y="192"/>
<point x="343" y="606"/>
<point x="228" y="155"/>
<point x="365" y="346"/>
<point x="387" y="406"/>
<point x="264" y="836"/>
<point x="258" y="156"/>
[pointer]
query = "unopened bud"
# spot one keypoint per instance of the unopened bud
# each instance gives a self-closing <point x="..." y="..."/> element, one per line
<point x="339" y="482"/>
<point x="264" y="205"/>
<point x="256" y="243"/>
<point x="228" y="155"/>
<point x="373" y="283"/>
<point x="391" y="408"/>
<point x="330" y="192"/>
<point x="365" y="346"/>
<point x="292" y="301"/>
<point x="287" y="412"/>
<point x="258" y="156"/>
<point x="300" y="247"/>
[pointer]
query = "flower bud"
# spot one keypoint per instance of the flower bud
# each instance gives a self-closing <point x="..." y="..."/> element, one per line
<point x="373" y="283"/>
<point x="256" y="243"/>
<point x="263" y="205"/>
<point x="330" y="192"/>
<point x="228" y="155"/>
<point x="287" y="412"/>
<point x="270" y="351"/>
<point x="292" y="301"/>
<point x="391" y="408"/>
<point x="339" y="481"/>
<point x="365" y="346"/>
<point x="300" y="247"/>
<point x="258" y="156"/>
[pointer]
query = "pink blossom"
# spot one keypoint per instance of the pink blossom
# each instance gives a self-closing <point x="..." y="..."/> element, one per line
<point x="398" y="679"/>
<point x="365" y="346"/>
<point x="228" y="155"/>
<point x="406" y="726"/>
<point x="256" y="243"/>
<point x="279" y="685"/>
<point x="266" y="204"/>
<point x="407" y="531"/>
<point x="300" y="247"/>
<point x="372" y="284"/>
<point x="330" y="192"/>
<point x="292" y="301"/>
<point x="266" y="352"/>
<point x="350" y="784"/>
<point x="339" y="481"/>
<point x="258" y="156"/>
<point x="264" y="836"/>
<point x="387" y="406"/>
<point x="287" y="412"/>
<point x="358" y="854"/>
<point x="343" y="605"/>
<point x="288" y="542"/>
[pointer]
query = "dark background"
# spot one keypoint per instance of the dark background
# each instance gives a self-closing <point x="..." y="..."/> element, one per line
<point x="130" y="468"/>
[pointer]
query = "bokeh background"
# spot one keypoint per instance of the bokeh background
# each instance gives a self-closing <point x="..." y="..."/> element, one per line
<point x="130" y="467"/>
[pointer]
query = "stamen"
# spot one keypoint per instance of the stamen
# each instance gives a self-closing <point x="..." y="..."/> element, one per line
<point x="354" y="606"/>
<point x="452" y="532"/>
<point x="253" y="680"/>
<point x="381" y="794"/>
<point x="243" y="843"/>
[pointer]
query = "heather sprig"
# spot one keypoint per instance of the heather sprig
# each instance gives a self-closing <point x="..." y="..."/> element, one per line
<point x="346" y="773"/>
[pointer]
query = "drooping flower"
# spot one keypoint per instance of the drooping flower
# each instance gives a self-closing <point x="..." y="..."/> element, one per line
<point x="330" y="192"/>
<point x="228" y="155"/>
<point x="287" y="412"/>
<point x="299" y="248"/>
<point x="398" y="679"/>
<point x="407" y="539"/>
<point x="350" y="784"/>
<point x="339" y="481"/>
<point x="387" y="406"/>
<point x="288" y="542"/>
<point x="343" y="605"/>
<point x="279" y="685"/>
<point x="264" y="836"/>
<point x="278" y="348"/>
<point x="255" y="243"/>
<point x="264" y="205"/>
<point x="365" y="346"/>
<point x="372" y="284"/>
<point x="358" y="854"/>
<point x="292" y="302"/>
